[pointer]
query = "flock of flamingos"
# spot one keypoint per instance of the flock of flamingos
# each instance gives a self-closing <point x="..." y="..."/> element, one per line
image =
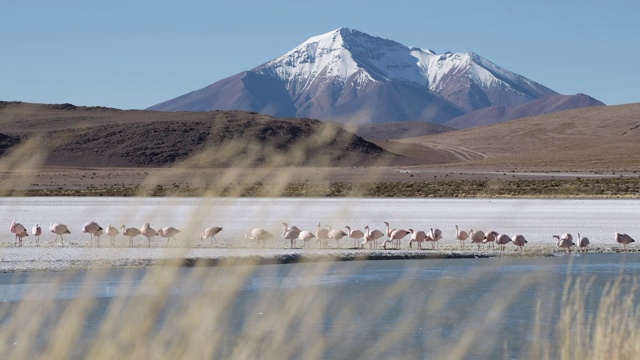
<point x="322" y="235"/>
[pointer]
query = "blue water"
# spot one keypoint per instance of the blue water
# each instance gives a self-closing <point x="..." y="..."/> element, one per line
<point x="369" y="309"/>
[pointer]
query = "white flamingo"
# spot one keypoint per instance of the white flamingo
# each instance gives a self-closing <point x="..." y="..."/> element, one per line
<point x="355" y="235"/>
<point x="91" y="228"/>
<point x="19" y="231"/>
<point x="462" y="236"/>
<point x="337" y="235"/>
<point x="322" y="236"/>
<point x="210" y="233"/>
<point x="371" y="237"/>
<point x="624" y="239"/>
<point x="147" y="231"/>
<point x="519" y="241"/>
<point x="490" y="238"/>
<point x="59" y="230"/>
<point x="434" y="235"/>
<point x="260" y="234"/>
<point x="477" y="237"/>
<point x="169" y="232"/>
<point x="583" y="242"/>
<point x="36" y="231"/>
<point x="502" y="240"/>
<point x="417" y="236"/>
<point x="290" y="233"/>
<point x="112" y="231"/>
<point x="129" y="232"/>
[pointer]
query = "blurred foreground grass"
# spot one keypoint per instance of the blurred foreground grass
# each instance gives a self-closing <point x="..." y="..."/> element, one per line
<point x="248" y="311"/>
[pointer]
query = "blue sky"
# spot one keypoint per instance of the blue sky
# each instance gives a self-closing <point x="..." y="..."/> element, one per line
<point x="134" y="54"/>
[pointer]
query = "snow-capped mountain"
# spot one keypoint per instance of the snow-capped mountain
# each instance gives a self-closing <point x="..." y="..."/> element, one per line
<point x="349" y="76"/>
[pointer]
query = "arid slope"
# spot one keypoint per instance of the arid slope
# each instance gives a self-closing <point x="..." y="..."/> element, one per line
<point x="594" y="138"/>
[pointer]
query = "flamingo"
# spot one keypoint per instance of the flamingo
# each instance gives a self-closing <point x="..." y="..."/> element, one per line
<point x="36" y="231"/>
<point x="503" y="240"/>
<point x="290" y="233"/>
<point x="462" y="236"/>
<point x="519" y="241"/>
<point x="490" y="237"/>
<point x="210" y="233"/>
<point x="564" y="242"/>
<point x="477" y="237"/>
<point x="20" y="232"/>
<point x="371" y="237"/>
<point x="322" y="235"/>
<point x="91" y="228"/>
<point x="565" y="236"/>
<point x="434" y="235"/>
<point x="337" y="235"/>
<point x="112" y="231"/>
<point x="355" y="235"/>
<point x="98" y="234"/>
<point x="417" y="236"/>
<point x="260" y="234"/>
<point x="59" y="229"/>
<point x="623" y="239"/>
<point x="306" y="236"/>
<point x="129" y="232"/>
<point x="583" y="242"/>
<point x="147" y="231"/>
<point x="395" y="236"/>
<point x="169" y="232"/>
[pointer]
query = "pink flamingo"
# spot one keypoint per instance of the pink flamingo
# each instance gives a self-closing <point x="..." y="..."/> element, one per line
<point x="583" y="242"/>
<point x="147" y="231"/>
<point x="519" y="241"/>
<point x="624" y="239"/>
<point x="130" y="232"/>
<point x="260" y="234"/>
<point x="477" y="237"/>
<point x="434" y="235"/>
<point x="290" y="233"/>
<point x="371" y="237"/>
<point x="169" y="232"/>
<point x="112" y="232"/>
<point x="19" y="231"/>
<point x="322" y="235"/>
<point x="91" y="228"/>
<point x="36" y="231"/>
<point x="417" y="236"/>
<point x="59" y="230"/>
<point x="491" y="237"/>
<point x="503" y="240"/>
<point x="355" y="235"/>
<point x="462" y="236"/>
<point x="210" y="233"/>
<point x="337" y="235"/>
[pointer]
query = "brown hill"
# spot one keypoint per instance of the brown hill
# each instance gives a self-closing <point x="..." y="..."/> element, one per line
<point x="399" y="130"/>
<point x="69" y="135"/>
<point x="602" y="137"/>
<point x="546" y="105"/>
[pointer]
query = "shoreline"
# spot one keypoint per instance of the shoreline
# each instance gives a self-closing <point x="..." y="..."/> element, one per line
<point x="20" y="260"/>
<point x="607" y="188"/>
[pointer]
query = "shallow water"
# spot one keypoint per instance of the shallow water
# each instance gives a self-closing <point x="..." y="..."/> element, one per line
<point x="359" y="301"/>
<point x="537" y="219"/>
